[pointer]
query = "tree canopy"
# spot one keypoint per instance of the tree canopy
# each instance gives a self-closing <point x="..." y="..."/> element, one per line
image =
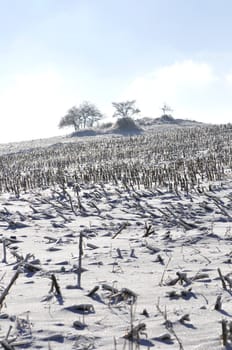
<point x="81" y="117"/>
<point x="125" y="109"/>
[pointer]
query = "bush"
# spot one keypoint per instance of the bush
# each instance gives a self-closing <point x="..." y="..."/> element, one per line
<point x="126" y="124"/>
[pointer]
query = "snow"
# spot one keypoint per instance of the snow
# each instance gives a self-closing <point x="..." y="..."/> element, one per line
<point x="160" y="252"/>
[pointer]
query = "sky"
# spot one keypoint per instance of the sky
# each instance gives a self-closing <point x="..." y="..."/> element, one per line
<point x="55" y="54"/>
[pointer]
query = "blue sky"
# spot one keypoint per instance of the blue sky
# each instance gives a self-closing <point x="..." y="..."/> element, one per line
<point x="56" y="53"/>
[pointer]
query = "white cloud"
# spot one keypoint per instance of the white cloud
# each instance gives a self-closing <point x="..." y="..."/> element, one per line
<point x="32" y="105"/>
<point x="228" y="78"/>
<point x="190" y="88"/>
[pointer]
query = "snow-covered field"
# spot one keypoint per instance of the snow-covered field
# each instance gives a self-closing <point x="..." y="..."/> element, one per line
<point x="121" y="243"/>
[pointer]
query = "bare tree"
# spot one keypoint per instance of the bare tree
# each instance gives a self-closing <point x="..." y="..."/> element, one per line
<point x="90" y="114"/>
<point x="72" y="118"/>
<point x="166" y="109"/>
<point x="81" y="117"/>
<point x="125" y="109"/>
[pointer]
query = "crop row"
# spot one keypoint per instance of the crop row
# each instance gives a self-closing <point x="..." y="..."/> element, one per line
<point x="178" y="158"/>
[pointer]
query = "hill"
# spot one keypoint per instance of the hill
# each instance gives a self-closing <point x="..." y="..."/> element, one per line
<point x="167" y="120"/>
<point x="117" y="242"/>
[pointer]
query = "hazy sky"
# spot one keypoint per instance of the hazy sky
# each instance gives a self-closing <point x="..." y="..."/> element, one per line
<point x="56" y="53"/>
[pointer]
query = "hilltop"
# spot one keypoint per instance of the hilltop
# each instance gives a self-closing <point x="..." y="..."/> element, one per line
<point x="166" y="120"/>
<point x="121" y="128"/>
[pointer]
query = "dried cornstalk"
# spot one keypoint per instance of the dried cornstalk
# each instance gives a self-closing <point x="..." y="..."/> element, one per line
<point x="6" y="290"/>
<point x="80" y="261"/>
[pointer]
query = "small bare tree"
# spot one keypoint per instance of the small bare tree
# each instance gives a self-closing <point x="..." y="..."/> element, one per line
<point x="166" y="109"/>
